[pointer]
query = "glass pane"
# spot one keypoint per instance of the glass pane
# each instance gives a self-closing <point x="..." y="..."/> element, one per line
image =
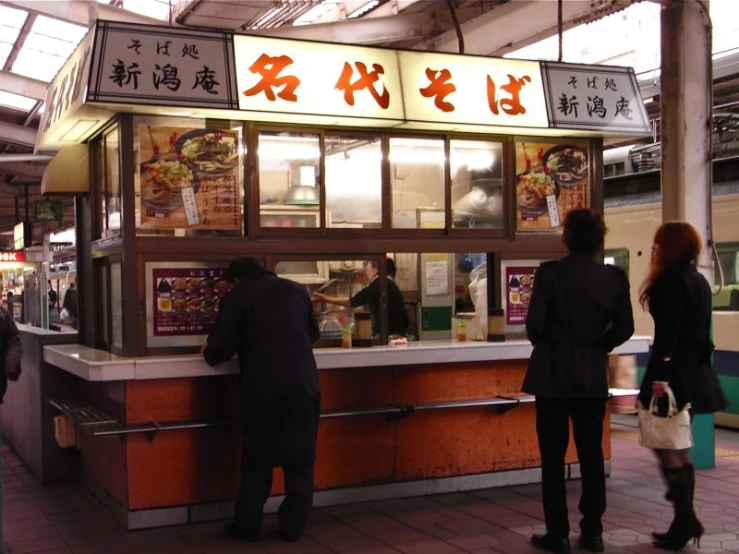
<point x="477" y="184"/>
<point x="417" y="177"/>
<point x="188" y="176"/>
<point x="353" y="182"/>
<point x="112" y="182"/>
<point x="727" y="296"/>
<point x="618" y="257"/>
<point x="471" y="296"/>
<point x="289" y="180"/>
<point x="116" y="304"/>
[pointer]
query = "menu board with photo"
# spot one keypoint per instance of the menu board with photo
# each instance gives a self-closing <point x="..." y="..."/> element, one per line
<point x="551" y="180"/>
<point x="189" y="179"/>
<point x="519" y="284"/>
<point x="186" y="300"/>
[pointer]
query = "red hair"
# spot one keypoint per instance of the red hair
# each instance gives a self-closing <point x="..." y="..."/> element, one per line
<point x="676" y="241"/>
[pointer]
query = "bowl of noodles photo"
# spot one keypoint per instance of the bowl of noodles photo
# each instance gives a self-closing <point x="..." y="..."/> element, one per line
<point x="162" y="181"/>
<point x="567" y="165"/>
<point x="532" y="190"/>
<point x="209" y="151"/>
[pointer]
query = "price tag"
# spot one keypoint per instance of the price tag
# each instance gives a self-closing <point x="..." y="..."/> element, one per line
<point x="553" y="211"/>
<point x="191" y="207"/>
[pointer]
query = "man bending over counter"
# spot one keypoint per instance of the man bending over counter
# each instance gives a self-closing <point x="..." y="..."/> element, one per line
<point x="397" y="317"/>
<point x="280" y="393"/>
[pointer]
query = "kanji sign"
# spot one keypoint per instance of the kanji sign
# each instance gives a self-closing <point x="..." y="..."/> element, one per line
<point x="452" y="89"/>
<point x="594" y="98"/>
<point x="297" y="77"/>
<point x="137" y="64"/>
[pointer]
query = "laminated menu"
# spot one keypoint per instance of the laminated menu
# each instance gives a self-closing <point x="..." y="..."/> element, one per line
<point x="551" y="181"/>
<point x="519" y="285"/>
<point x="186" y="300"/>
<point x="189" y="178"/>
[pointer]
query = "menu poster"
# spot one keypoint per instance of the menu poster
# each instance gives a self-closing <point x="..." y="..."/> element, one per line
<point x="519" y="284"/>
<point x="551" y="180"/>
<point x="189" y="178"/>
<point x="186" y="300"/>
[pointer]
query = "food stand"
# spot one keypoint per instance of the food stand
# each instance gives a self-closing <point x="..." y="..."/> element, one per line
<point x="314" y="158"/>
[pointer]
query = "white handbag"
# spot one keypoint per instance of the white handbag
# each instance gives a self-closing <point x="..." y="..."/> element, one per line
<point x="665" y="433"/>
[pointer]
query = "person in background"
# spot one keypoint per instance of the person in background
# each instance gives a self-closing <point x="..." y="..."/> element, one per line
<point x="397" y="317"/>
<point x="580" y="310"/>
<point x="679" y="299"/>
<point x="269" y="323"/>
<point x="53" y="301"/>
<point x="70" y="303"/>
<point x="10" y="352"/>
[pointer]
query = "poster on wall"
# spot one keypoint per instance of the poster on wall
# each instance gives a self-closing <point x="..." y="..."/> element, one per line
<point x="189" y="179"/>
<point x="186" y="300"/>
<point x="519" y="284"/>
<point x="551" y="180"/>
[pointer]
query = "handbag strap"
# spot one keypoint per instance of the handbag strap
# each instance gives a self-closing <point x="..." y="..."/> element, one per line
<point x="672" y="403"/>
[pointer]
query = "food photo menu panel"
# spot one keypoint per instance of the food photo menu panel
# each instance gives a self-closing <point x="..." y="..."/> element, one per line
<point x="519" y="284"/>
<point x="551" y="180"/>
<point x="186" y="300"/>
<point x="189" y="179"/>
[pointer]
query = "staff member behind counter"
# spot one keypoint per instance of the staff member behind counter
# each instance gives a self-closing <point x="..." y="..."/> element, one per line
<point x="397" y="317"/>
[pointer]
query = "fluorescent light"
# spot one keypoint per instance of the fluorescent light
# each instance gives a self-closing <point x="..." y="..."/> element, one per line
<point x="316" y="12"/>
<point x="16" y="101"/>
<point x="364" y="9"/>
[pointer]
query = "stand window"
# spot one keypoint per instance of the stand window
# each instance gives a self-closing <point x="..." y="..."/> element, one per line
<point x="417" y="178"/>
<point x="111" y="190"/>
<point x="477" y="184"/>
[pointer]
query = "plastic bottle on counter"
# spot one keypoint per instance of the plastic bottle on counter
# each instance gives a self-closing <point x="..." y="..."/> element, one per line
<point x="461" y="332"/>
<point x="346" y="338"/>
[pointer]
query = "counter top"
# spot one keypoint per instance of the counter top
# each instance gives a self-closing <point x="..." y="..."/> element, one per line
<point x="97" y="365"/>
<point x="31" y="330"/>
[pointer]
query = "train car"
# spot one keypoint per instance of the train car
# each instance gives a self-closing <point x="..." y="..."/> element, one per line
<point x="633" y="214"/>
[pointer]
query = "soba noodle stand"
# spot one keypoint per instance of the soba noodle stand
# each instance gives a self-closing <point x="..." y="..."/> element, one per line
<point x="317" y="159"/>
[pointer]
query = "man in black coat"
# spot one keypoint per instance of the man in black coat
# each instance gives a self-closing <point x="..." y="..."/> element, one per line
<point x="269" y="323"/>
<point x="580" y="310"/>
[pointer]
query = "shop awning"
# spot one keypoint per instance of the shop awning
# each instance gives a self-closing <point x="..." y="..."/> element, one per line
<point x="68" y="172"/>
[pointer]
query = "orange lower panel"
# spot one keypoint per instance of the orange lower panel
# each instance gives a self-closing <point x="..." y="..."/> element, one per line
<point x="199" y="466"/>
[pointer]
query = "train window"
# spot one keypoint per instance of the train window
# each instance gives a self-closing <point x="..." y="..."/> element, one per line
<point x="619" y="257"/>
<point x="727" y="297"/>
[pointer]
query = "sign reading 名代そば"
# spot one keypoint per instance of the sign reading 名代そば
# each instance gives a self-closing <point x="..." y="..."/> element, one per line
<point x="299" y="77"/>
<point x="592" y="97"/>
<point x="472" y="90"/>
<point x="144" y="64"/>
<point x="186" y="301"/>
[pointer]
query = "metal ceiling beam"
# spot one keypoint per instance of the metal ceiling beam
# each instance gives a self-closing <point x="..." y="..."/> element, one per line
<point x="16" y="134"/>
<point x="519" y="23"/>
<point x="365" y="30"/>
<point x="23" y="169"/>
<point x="11" y="158"/>
<point x="81" y="13"/>
<point x="17" y="84"/>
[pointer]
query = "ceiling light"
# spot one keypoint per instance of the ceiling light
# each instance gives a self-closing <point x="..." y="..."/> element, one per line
<point x="364" y="9"/>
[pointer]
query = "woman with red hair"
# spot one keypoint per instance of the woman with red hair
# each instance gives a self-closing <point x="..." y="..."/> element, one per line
<point x="679" y="299"/>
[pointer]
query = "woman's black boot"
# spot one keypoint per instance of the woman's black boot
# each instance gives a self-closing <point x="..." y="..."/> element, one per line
<point x="686" y="526"/>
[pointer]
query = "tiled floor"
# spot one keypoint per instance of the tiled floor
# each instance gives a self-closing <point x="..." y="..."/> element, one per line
<point x="66" y="520"/>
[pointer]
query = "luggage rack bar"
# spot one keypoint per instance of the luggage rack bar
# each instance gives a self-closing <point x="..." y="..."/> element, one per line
<point x="477" y="403"/>
<point x="379" y="410"/>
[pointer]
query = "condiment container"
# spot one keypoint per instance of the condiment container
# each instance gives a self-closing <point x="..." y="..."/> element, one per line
<point x="362" y="329"/>
<point x="346" y="338"/>
<point x="461" y="332"/>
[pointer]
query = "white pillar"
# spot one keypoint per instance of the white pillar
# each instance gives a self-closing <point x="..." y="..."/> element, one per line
<point x="687" y="124"/>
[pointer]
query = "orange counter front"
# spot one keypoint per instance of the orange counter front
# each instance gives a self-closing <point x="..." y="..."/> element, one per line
<point x="165" y="449"/>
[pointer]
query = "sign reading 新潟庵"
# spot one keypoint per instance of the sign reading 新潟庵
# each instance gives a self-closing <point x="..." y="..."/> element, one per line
<point x="138" y="64"/>
<point x="593" y="98"/>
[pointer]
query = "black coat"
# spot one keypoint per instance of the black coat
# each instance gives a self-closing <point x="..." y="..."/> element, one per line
<point x="10" y="352"/>
<point x="680" y="304"/>
<point x="269" y="323"/>
<point x="580" y="310"/>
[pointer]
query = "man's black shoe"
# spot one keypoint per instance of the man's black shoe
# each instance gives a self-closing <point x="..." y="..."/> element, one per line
<point x="593" y="543"/>
<point x="288" y="537"/>
<point x="547" y="542"/>
<point x="232" y="531"/>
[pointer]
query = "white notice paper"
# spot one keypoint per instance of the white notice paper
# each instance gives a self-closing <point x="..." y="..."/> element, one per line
<point x="437" y="278"/>
<point x="553" y="211"/>
<point x="191" y="207"/>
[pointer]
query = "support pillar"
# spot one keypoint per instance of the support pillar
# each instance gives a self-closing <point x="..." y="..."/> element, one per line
<point x="686" y="84"/>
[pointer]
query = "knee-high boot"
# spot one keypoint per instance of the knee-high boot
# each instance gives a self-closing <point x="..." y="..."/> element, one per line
<point x="685" y="526"/>
<point x="669" y="495"/>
